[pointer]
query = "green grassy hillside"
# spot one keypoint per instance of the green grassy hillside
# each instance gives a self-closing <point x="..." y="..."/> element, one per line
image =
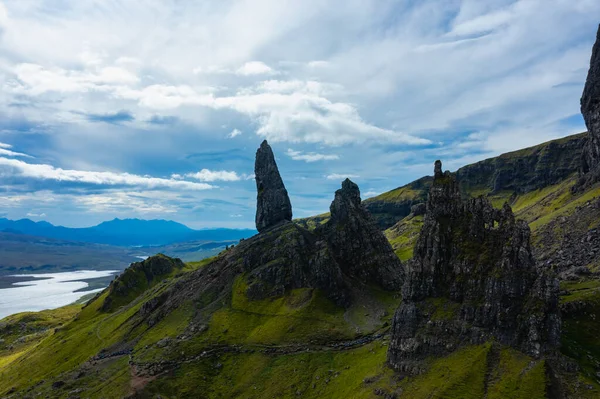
<point x="298" y="345"/>
<point x="301" y="344"/>
<point x="112" y="352"/>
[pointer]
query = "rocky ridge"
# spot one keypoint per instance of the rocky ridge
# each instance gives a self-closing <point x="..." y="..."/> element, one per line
<point x="138" y="277"/>
<point x="339" y="258"/>
<point x="518" y="172"/>
<point x="472" y="279"/>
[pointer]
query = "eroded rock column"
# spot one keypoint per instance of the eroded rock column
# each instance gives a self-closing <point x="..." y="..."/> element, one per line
<point x="272" y="201"/>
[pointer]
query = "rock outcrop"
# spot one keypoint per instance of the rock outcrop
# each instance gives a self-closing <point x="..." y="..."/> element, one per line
<point x="273" y="204"/>
<point x="138" y="277"/>
<point x="590" y="109"/>
<point x="356" y="243"/>
<point x="337" y="257"/>
<point x="472" y="279"/>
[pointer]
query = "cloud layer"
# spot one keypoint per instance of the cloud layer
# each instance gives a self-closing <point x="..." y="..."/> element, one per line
<point x="146" y="107"/>
<point x="14" y="167"/>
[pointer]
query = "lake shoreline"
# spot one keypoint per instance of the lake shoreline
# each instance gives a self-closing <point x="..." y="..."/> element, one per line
<point x="37" y="291"/>
<point x="9" y="281"/>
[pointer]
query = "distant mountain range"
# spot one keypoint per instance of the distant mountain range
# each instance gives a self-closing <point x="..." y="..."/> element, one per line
<point x="124" y="232"/>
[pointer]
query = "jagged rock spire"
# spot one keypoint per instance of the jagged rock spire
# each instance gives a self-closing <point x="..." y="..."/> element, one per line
<point x="346" y="200"/>
<point x="590" y="109"/>
<point x="437" y="169"/>
<point x="273" y="204"/>
<point x="357" y="244"/>
<point x="473" y="264"/>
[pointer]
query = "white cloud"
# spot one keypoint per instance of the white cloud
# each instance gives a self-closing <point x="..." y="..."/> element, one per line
<point x="33" y="79"/>
<point x="211" y="69"/>
<point x="292" y="111"/>
<point x="216" y="175"/>
<point x="3" y="17"/>
<point x="340" y="176"/>
<point x="295" y="112"/>
<point x="121" y="202"/>
<point x="250" y="68"/>
<point x="318" y="64"/>
<point x="234" y="133"/>
<point x="371" y="193"/>
<point x="255" y="68"/>
<point x="4" y="150"/>
<point x="160" y="96"/>
<point x="482" y="23"/>
<point x="14" y="167"/>
<point x="310" y="156"/>
<point x="36" y="215"/>
<point x="10" y="153"/>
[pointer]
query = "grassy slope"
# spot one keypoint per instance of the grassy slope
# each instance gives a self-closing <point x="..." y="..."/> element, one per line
<point x="21" y="332"/>
<point x="302" y="316"/>
<point x="64" y="350"/>
<point x="303" y="320"/>
<point x="360" y="373"/>
<point x="403" y="236"/>
<point x="581" y="323"/>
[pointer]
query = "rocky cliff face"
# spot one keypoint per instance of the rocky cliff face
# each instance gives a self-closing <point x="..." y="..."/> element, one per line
<point x="590" y="109"/>
<point x="273" y="204"/>
<point x="356" y="243"/>
<point x="472" y="279"/>
<point x="524" y="170"/>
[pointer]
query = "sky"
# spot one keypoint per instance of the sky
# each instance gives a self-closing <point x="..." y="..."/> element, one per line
<point x="154" y="109"/>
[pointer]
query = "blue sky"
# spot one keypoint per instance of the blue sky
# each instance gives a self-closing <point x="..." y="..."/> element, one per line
<point x="154" y="109"/>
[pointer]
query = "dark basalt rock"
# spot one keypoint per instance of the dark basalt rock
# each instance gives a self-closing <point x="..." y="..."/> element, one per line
<point x="273" y="203"/>
<point x="357" y="244"/>
<point x="590" y="109"/>
<point x="576" y="246"/>
<point x="339" y="257"/>
<point x="472" y="278"/>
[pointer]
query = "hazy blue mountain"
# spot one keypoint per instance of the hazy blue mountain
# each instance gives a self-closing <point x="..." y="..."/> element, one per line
<point x="124" y="232"/>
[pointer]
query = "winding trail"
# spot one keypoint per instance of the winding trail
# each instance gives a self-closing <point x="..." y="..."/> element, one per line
<point x="142" y="373"/>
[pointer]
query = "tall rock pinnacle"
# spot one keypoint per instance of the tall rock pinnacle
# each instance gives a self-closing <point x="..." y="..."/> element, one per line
<point x="273" y="204"/>
<point x="590" y="109"/>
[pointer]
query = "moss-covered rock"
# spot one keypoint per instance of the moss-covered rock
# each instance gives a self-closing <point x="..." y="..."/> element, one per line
<point x="137" y="278"/>
<point x="472" y="278"/>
